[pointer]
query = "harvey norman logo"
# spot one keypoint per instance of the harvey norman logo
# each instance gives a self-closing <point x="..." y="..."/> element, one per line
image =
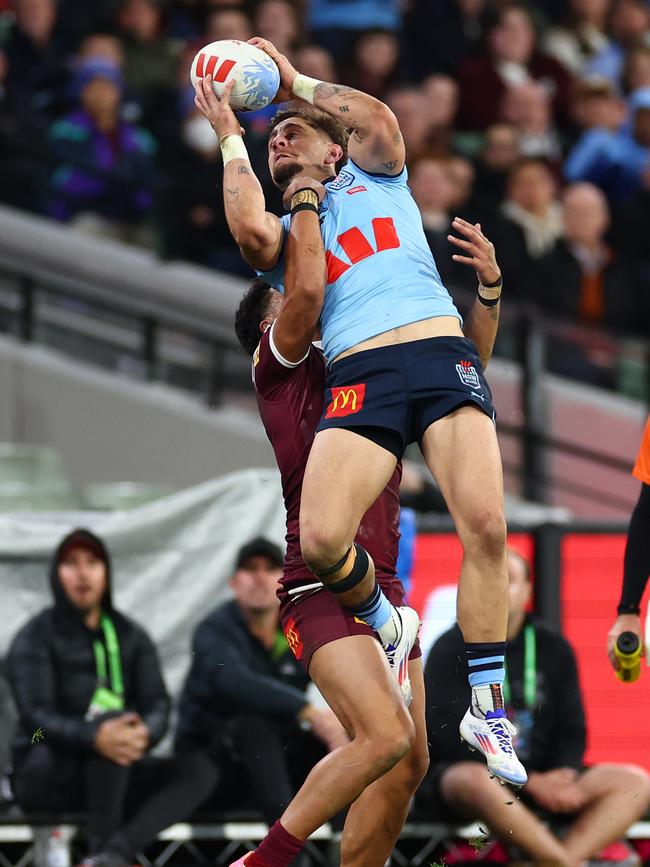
<point x="346" y="400"/>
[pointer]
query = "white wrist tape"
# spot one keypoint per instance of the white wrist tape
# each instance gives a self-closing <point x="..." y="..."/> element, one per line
<point x="233" y="148"/>
<point x="304" y="87"/>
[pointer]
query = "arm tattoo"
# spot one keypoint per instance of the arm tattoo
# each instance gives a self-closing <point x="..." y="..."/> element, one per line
<point x="390" y="165"/>
<point x="397" y="138"/>
<point x="233" y="193"/>
<point x="243" y="170"/>
<point x="327" y="91"/>
<point x="344" y="108"/>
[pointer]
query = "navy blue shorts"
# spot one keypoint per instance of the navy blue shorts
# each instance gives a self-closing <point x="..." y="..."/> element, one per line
<point x="393" y="393"/>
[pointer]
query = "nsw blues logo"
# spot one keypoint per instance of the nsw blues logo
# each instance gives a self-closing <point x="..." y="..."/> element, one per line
<point x="468" y="374"/>
<point x="341" y="181"/>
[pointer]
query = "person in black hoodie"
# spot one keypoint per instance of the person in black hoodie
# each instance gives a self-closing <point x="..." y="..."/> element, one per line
<point x="542" y="695"/>
<point x="92" y="703"/>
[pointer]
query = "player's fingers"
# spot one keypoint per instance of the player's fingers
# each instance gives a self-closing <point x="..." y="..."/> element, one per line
<point x="225" y="96"/>
<point x="460" y="242"/>
<point x="465" y="260"/>
<point x="466" y="229"/>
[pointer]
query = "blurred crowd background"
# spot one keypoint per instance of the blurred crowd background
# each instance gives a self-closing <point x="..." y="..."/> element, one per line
<point x="530" y="118"/>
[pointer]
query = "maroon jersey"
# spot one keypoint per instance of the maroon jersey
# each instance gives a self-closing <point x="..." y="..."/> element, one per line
<point x="290" y="400"/>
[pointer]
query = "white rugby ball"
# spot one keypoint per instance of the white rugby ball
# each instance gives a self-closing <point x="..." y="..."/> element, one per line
<point x="256" y="75"/>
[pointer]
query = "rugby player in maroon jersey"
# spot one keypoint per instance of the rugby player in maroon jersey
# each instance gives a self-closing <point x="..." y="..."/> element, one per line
<point x="381" y="767"/>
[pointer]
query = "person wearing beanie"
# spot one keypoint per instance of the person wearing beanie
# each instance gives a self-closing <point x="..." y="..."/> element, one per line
<point x="244" y="699"/>
<point x="103" y="175"/>
<point x="91" y="704"/>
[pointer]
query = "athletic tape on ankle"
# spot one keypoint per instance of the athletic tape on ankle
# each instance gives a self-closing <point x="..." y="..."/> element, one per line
<point x="356" y="575"/>
<point x="304" y="87"/>
<point x="233" y="148"/>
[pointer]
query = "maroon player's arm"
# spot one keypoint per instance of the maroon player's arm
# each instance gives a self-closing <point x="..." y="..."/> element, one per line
<point x="304" y="287"/>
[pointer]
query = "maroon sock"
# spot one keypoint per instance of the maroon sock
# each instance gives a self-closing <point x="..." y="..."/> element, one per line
<point x="277" y="849"/>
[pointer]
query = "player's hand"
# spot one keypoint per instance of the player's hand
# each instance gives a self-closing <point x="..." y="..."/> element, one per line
<point x="218" y="111"/>
<point x="623" y="623"/>
<point x="478" y="251"/>
<point x="303" y="182"/>
<point x="288" y="72"/>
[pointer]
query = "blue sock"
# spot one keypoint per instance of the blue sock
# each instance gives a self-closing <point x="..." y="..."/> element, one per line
<point x="377" y="612"/>
<point x="485" y="662"/>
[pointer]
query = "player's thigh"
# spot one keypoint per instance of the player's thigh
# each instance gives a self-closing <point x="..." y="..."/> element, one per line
<point x="345" y="474"/>
<point x="353" y="676"/>
<point x="462" y="453"/>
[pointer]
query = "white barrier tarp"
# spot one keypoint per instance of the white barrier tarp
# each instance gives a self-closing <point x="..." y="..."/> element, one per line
<point x="171" y="558"/>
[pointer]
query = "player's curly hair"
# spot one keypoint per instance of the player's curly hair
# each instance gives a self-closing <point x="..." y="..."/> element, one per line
<point x="251" y="311"/>
<point x="319" y="120"/>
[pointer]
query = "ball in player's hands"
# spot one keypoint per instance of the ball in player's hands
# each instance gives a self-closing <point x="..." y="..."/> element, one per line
<point x="256" y="75"/>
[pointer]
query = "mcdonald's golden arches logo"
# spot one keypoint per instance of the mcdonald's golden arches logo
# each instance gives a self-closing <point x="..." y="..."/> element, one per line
<point x="346" y="400"/>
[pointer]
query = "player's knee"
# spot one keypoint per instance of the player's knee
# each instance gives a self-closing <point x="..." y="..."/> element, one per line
<point x="416" y="765"/>
<point x="392" y="742"/>
<point x="487" y="530"/>
<point x="320" y="549"/>
<point x="466" y="783"/>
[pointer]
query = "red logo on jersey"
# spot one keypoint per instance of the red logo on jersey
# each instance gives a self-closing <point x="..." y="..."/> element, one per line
<point x="357" y="247"/>
<point x="346" y="400"/>
<point x="203" y="68"/>
<point x="356" y="190"/>
<point x="293" y="638"/>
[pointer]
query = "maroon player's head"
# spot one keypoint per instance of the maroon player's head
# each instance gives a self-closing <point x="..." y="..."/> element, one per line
<point x="306" y="139"/>
<point x="257" y="310"/>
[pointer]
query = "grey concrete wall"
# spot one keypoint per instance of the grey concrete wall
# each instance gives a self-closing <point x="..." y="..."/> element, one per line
<point x="109" y="428"/>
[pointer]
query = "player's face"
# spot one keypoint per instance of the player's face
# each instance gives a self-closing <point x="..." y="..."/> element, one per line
<point x="294" y="148"/>
<point x="255" y="583"/>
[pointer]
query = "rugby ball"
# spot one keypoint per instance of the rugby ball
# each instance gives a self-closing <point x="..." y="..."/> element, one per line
<point x="256" y="75"/>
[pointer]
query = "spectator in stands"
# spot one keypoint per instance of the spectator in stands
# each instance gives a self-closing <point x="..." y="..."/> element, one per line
<point x="227" y="22"/>
<point x="37" y="74"/>
<point x="443" y="96"/>
<point x="412" y="110"/>
<point x="442" y="33"/>
<point x="92" y="703"/>
<point x="101" y="46"/>
<point x="315" y="62"/>
<point x="543" y="698"/>
<point x="528" y="109"/>
<point x="628" y="26"/>
<point x="528" y="227"/>
<point x="335" y="24"/>
<point x="374" y="64"/>
<point x="277" y="21"/>
<point x="511" y="58"/>
<point x="192" y="218"/>
<point x="597" y="105"/>
<point x="244" y="697"/>
<point x="582" y="36"/>
<point x="615" y="160"/>
<point x="636" y="72"/>
<point x="586" y="281"/>
<point x="103" y="182"/>
<point x="149" y="60"/>
<point x="498" y="157"/>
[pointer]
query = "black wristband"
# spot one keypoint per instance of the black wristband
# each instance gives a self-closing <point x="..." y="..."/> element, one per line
<point x="628" y="608"/>
<point x="488" y="302"/>
<point x="304" y="206"/>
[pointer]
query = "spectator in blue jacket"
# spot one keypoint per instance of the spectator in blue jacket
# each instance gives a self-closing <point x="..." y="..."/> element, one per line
<point x="615" y="161"/>
<point x="103" y="180"/>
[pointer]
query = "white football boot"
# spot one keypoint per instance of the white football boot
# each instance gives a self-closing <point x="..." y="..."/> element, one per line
<point x="398" y="653"/>
<point x="492" y="736"/>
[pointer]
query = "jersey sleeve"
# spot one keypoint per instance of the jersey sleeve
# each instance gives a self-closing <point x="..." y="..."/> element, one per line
<point x="641" y="469"/>
<point x="275" y="277"/>
<point x="271" y="371"/>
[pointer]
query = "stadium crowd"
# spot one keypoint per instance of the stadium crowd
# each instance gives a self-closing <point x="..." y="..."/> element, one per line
<point x="532" y="119"/>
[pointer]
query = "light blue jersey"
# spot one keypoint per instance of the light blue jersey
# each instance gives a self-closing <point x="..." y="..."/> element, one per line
<point x="380" y="271"/>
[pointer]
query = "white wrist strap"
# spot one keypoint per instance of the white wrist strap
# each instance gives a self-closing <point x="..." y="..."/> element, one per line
<point x="233" y="148"/>
<point x="304" y="87"/>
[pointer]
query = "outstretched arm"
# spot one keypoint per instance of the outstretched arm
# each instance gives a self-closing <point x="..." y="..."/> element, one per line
<point x="257" y="233"/>
<point x="304" y="273"/>
<point x="482" y="321"/>
<point x="376" y="144"/>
